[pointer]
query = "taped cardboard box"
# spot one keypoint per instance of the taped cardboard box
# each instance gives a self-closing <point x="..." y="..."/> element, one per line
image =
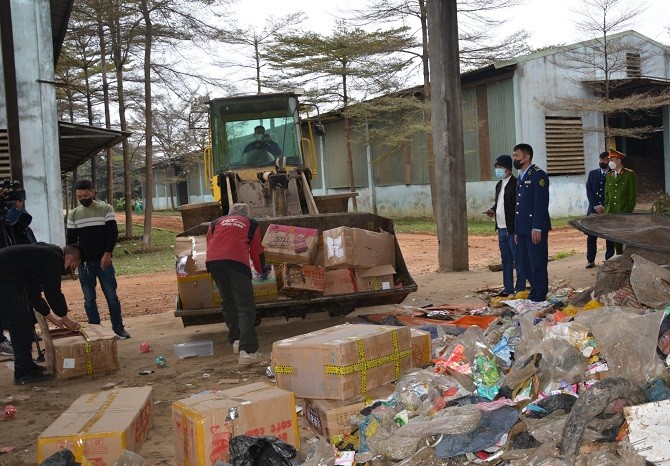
<point x="285" y="243"/>
<point x="90" y="351"/>
<point x="421" y="347"/>
<point x="342" y="361"/>
<point x="99" y="426"/>
<point x="354" y="247"/>
<point x="375" y="278"/>
<point x="332" y="418"/>
<point x="299" y="279"/>
<point x="205" y="423"/>
<point x="339" y="281"/>
<point x="198" y="290"/>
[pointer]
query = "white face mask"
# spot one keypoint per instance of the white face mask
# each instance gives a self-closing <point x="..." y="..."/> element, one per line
<point x="500" y="173"/>
<point x="612" y="165"/>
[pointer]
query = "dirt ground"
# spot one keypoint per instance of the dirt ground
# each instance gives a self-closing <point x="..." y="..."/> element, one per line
<point x="148" y="305"/>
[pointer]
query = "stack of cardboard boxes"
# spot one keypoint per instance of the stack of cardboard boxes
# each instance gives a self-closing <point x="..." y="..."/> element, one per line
<point x="339" y="261"/>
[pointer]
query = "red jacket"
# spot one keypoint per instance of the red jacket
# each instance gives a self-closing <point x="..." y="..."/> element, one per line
<point x="233" y="239"/>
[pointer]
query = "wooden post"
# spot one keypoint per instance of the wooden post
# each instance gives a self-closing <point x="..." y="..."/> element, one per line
<point x="447" y="126"/>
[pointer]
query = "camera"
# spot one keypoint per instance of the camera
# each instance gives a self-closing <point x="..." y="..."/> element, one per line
<point x="11" y="191"/>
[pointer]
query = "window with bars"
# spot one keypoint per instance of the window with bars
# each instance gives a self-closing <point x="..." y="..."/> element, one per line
<point x="633" y="65"/>
<point x="565" y="145"/>
<point x="5" y="164"/>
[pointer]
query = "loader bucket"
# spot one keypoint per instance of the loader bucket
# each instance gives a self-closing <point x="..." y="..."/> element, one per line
<point x="334" y="305"/>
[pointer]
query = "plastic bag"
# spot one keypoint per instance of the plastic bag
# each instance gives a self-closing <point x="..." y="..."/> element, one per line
<point x="260" y="451"/>
<point x="650" y="282"/>
<point x="636" y="359"/>
<point x="62" y="457"/>
<point x="316" y="452"/>
<point x="130" y="458"/>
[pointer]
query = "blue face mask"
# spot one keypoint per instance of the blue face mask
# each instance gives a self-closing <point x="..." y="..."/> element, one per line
<point x="500" y="173"/>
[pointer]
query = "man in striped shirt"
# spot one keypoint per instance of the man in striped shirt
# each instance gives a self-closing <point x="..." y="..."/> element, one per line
<point x="93" y="226"/>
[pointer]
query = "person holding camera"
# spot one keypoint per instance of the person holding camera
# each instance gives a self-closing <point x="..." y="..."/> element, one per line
<point x="232" y="240"/>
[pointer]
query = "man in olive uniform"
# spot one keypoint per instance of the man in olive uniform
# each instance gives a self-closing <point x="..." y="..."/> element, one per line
<point x="620" y="189"/>
<point x="532" y="222"/>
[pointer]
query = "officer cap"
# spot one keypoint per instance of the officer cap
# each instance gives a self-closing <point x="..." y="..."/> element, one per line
<point x="616" y="153"/>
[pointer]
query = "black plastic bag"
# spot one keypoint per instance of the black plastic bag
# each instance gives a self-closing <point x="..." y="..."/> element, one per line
<point x="260" y="451"/>
<point x="62" y="457"/>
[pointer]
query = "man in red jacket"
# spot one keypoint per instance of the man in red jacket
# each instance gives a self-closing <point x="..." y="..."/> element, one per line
<point x="231" y="241"/>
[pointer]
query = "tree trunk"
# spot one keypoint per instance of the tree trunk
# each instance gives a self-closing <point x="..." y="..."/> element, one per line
<point x="447" y="124"/>
<point x="108" y="120"/>
<point x="426" y="112"/>
<point x="148" y="129"/>
<point x="347" y="142"/>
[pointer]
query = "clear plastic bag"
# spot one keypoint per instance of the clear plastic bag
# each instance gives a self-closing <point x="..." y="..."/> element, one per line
<point x="650" y="282"/>
<point x="316" y="451"/>
<point x="130" y="458"/>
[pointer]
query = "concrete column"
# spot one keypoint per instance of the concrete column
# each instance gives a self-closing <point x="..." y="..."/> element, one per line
<point x="38" y="123"/>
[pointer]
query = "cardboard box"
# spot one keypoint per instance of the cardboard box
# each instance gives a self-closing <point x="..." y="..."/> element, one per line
<point x="99" y="426"/>
<point x="375" y="278"/>
<point x="285" y="243"/>
<point x="198" y="291"/>
<point x="339" y="281"/>
<point x="332" y="418"/>
<point x="194" y="248"/>
<point x="342" y="361"/>
<point x="354" y="247"/>
<point x="90" y="351"/>
<point x="297" y="279"/>
<point x="203" y="423"/>
<point x="422" y="352"/>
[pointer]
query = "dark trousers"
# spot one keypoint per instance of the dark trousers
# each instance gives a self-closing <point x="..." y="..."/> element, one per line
<point x="592" y="248"/>
<point x="238" y="306"/>
<point x="18" y="319"/>
<point x="509" y="256"/>
<point x="535" y="258"/>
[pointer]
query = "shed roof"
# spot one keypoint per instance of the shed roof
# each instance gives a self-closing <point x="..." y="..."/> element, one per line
<point x="78" y="143"/>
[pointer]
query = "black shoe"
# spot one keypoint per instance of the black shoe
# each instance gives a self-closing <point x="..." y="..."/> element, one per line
<point x="33" y="377"/>
<point x="121" y="333"/>
<point x="590" y="265"/>
<point x="38" y="368"/>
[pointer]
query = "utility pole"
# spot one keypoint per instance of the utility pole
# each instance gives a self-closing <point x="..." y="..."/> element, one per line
<point x="447" y="126"/>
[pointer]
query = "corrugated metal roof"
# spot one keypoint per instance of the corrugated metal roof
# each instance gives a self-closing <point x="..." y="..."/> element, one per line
<point x="78" y="143"/>
<point x="60" y="16"/>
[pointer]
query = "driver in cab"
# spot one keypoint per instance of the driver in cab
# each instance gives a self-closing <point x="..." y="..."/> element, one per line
<point x="262" y="141"/>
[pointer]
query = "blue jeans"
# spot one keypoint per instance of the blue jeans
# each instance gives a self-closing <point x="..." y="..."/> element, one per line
<point x="88" y="273"/>
<point x="510" y="260"/>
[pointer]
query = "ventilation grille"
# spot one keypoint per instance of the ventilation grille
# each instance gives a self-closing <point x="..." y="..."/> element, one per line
<point x="565" y="146"/>
<point x="5" y="165"/>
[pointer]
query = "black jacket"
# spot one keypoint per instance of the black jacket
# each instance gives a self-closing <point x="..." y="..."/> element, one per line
<point x="509" y="200"/>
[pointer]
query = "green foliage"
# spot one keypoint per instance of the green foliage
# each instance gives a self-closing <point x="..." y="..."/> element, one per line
<point x="476" y="227"/>
<point x="563" y="254"/>
<point x="130" y="260"/>
<point x="661" y="205"/>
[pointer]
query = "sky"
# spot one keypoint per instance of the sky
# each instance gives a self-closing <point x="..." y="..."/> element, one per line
<point x="548" y="21"/>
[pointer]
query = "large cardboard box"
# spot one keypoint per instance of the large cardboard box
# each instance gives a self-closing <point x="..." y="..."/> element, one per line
<point x="285" y="243"/>
<point x="421" y="347"/>
<point x="300" y="279"/>
<point x="332" y="418"/>
<point x="339" y="281"/>
<point x="205" y="423"/>
<point x="99" y="426"/>
<point x="197" y="290"/>
<point x="354" y="247"/>
<point x="342" y="361"/>
<point x="90" y="351"/>
<point x="379" y="277"/>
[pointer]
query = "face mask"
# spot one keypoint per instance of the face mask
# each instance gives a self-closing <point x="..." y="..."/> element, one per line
<point x="612" y="164"/>
<point x="500" y="173"/>
<point x="518" y="164"/>
<point x="258" y="137"/>
<point x="86" y="202"/>
<point x="604" y="165"/>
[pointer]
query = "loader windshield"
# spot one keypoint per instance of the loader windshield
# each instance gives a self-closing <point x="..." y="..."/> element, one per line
<point x="252" y="131"/>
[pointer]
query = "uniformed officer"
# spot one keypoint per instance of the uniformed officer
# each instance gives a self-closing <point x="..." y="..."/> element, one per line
<point x="595" y="193"/>
<point x="532" y="223"/>
<point x="620" y="189"/>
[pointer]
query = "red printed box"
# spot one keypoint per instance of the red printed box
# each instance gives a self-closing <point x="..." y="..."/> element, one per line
<point x="296" y="279"/>
<point x="205" y="423"/>
<point x="285" y="243"/>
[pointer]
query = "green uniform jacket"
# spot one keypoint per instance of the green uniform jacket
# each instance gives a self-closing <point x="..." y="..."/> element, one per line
<point x="620" y="192"/>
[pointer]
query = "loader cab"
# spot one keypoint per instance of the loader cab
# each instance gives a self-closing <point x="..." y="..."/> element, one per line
<point x="234" y="122"/>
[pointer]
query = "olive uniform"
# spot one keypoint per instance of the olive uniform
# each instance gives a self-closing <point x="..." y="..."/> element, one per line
<point x="620" y="195"/>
